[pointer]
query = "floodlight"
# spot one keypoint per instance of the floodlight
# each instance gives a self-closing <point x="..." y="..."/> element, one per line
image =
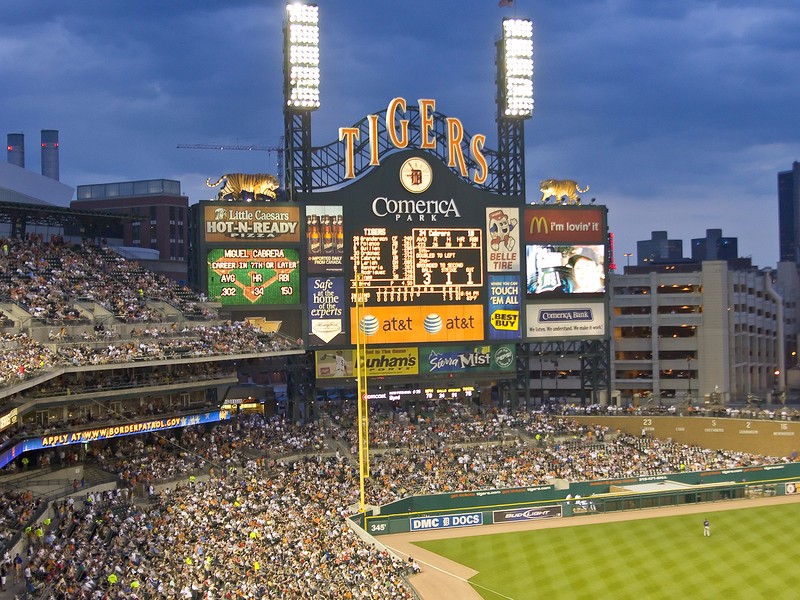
<point x="518" y="68"/>
<point x="301" y="56"/>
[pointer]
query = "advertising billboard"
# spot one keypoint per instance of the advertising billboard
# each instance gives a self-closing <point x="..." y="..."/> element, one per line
<point x="467" y="359"/>
<point x="253" y="276"/>
<point x="325" y="239"/>
<point x="390" y="325"/>
<point x="504" y="307"/>
<point x="558" y="320"/>
<point x="381" y="362"/>
<point x="502" y="231"/>
<point x="326" y="312"/>
<point x="562" y="270"/>
<point x="241" y="223"/>
<point x="578" y="225"/>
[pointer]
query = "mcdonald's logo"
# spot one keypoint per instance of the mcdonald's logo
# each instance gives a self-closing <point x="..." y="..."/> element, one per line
<point x="565" y="224"/>
<point x="541" y="225"/>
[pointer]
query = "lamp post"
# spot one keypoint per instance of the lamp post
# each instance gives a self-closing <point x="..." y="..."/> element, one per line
<point x="627" y="256"/>
<point x="555" y="375"/>
<point x="541" y="381"/>
<point x="689" y="375"/>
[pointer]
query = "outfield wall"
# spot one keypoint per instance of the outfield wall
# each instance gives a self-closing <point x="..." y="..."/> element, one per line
<point x="757" y="436"/>
<point x="489" y="507"/>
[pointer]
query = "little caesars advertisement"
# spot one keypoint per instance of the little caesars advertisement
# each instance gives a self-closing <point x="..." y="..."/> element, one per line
<point x="466" y="359"/>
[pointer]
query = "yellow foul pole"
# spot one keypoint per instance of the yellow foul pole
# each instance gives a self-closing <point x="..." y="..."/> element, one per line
<point x="363" y="409"/>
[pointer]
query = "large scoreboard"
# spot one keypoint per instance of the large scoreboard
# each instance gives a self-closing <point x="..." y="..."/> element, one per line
<point x="424" y="254"/>
<point x="426" y="265"/>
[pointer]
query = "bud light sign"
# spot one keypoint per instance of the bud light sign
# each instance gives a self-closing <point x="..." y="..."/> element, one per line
<point x="526" y="514"/>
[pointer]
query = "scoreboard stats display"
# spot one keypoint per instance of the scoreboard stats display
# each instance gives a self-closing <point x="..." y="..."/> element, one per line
<point x="423" y="265"/>
<point x="254" y="276"/>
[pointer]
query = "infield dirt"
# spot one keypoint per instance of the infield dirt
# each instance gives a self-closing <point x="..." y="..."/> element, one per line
<point x="443" y="579"/>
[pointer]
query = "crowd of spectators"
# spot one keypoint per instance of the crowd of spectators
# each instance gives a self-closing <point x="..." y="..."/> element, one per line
<point x="47" y="278"/>
<point x="264" y="524"/>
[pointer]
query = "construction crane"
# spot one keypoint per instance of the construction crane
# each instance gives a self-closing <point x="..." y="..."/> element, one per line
<point x="277" y="149"/>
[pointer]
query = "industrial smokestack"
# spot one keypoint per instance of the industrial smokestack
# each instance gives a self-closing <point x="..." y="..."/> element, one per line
<point x="16" y="149"/>
<point x="50" y="153"/>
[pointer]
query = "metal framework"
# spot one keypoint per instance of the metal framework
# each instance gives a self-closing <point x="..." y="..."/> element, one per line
<point x="595" y="363"/>
<point x="87" y="222"/>
<point x="511" y="155"/>
<point x="323" y="167"/>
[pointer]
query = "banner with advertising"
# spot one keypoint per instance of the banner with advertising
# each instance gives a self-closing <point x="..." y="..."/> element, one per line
<point x="570" y="224"/>
<point x="504" y="307"/>
<point x="325" y="239"/>
<point x="231" y="222"/>
<point x="415" y="323"/>
<point x="533" y="513"/>
<point x="584" y="320"/>
<point x="502" y="234"/>
<point x="381" y="362"/>
<point x="326" y="310"/>
<point x="108" y="432"/>
<point x="467" y="359"/>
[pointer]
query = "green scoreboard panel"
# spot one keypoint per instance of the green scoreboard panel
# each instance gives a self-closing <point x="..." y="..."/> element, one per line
<point x="254" y="276"/>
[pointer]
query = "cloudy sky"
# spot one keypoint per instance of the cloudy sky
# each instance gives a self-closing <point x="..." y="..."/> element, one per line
<point x="677" y="113"/>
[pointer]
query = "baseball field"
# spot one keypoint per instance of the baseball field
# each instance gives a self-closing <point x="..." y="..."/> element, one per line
<point x="658" y="553"/>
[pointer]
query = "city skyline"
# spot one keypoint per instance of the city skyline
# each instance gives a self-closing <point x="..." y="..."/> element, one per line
<point x="677" y="115"/>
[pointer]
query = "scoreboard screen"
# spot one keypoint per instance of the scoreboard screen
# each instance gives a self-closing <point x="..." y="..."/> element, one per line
<point x="423" y="266"/>
<point x="254" y="276"/>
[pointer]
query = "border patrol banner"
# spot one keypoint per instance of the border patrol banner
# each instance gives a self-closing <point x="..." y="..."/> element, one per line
<point x="111" y="431"/>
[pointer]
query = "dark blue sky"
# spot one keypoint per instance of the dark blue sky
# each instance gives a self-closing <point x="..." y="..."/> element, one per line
<point x="677" y="113"/>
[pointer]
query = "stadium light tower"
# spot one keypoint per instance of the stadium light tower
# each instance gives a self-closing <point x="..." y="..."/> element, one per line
<point x="517" y="74"/>
<point x="514" y="102"/>
<point x="301" y="39"/>
<point x="300" y="92"/>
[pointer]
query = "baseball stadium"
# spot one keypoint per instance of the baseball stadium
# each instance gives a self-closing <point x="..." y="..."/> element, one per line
<point x="346" y="398"/>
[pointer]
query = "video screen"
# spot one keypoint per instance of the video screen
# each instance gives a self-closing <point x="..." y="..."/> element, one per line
<point x="558" y="270"/>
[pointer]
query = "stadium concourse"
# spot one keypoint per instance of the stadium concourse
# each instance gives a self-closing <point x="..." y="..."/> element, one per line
<point x="256" y="506"/>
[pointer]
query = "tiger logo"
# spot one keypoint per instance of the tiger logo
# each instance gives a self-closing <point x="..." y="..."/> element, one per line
<point x="258" y="184"/>
<point x="560" y="188"/>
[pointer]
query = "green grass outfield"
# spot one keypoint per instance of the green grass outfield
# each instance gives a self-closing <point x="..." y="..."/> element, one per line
<point x="752" y="553"/>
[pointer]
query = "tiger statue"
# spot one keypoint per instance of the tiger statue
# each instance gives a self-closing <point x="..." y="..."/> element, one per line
<point x="561" y="188"/>
<point x="259" y="184"/>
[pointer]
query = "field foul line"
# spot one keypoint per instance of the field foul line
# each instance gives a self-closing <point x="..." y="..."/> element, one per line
<point x="453" y="575"/>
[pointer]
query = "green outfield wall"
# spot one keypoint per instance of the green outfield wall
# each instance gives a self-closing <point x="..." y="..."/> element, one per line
<point x="493" y="506"/>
